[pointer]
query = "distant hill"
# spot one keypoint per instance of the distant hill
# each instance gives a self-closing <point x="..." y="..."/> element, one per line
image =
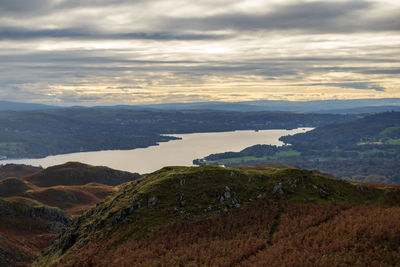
<point x="363" y="110"/>
<point x="366" y="149"/>
<point x="17" y="106"/>
<point x="351" y="106"/>
<point x="33" y="209"/>
<point x="76" y="173"/>
<point x="373" y="129"/>
<point x="38" y="134"/>
<point x="17" y="170"/>
<point x="213" y="216"/>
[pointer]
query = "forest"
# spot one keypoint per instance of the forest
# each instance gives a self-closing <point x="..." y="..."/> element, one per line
<point x="367" y="149"/>
<point x="41" y="133"/>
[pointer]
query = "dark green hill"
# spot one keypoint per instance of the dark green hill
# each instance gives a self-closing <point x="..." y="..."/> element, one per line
<point x="60" y="131"/>
<point x="382" y="128"/>
<point x="367" y="149"/>
<point x="222" y="217"/>
<point x="75" y="173"/>
<point x="13" y="186"/>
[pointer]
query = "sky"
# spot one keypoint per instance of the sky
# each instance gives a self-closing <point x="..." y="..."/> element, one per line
<point x="81" y="52"/>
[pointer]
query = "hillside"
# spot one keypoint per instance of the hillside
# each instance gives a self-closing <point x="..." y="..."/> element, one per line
<point x="377" y="129"/>
<point x="18" y="106"/>
<point x="188" y="216"/>
<point x="26" y="228"/>
<point x="17" y="170"/>
<point x="33" y="209"/>
<point x="75" y="173"/>
<point x="367" y="149"/>
<point x="38" y="134"/>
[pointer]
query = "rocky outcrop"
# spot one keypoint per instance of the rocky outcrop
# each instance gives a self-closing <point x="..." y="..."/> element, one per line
<point x="53" y="219"/>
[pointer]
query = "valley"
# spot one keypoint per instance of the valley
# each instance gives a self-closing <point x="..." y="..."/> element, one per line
<point x="37" y="134"/>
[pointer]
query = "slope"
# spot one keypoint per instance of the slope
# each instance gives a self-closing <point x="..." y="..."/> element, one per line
<point x="32" y="215"/>
<point x="17" y="170"/>
<point x="75" y="173"/>
<point x="26" y="227"/>
<point x="227" y="216"/>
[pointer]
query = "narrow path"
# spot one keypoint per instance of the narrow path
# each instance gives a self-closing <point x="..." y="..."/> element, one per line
<point x="277" y="223"/>
<point x="273" y="230"/>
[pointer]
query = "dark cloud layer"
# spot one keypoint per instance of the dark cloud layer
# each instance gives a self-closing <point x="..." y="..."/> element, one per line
<point x="353" y="85"/>
<point x="13" y="33"/>
<point x="17" y="8"/>
<point x="318" y="17"/>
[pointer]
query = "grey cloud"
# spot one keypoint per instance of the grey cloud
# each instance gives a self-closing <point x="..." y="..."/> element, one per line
<point x="382" y="71"/>
<point x="353" y="85"/>
<point x="15" y="33"/>
<point x="317" y="16"/>
<point x="32" y="8"/>
<point x="19" y="7"/>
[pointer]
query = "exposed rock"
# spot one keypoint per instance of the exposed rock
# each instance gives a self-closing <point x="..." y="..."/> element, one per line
<point x="49" y="214"/>
<point x="360" y="188"/>
<point x="152" y="202"/>
<point x="117" y="217"/>
<point x="278" y="189"/>
<point x="182" y="182"/>
<point x="181" y="200"/>
<point x="323" y="193"/>
<point x="227" y="195"/>
<point x="315" y="187"/>
<point x="6" y="210"/>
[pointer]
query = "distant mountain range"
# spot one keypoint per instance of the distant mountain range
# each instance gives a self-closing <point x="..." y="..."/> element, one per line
<point x="16" y="106"/>
<point x="353" y="106"/>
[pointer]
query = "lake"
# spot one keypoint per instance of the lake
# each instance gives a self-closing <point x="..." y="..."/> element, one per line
<point x="173" y="153"/>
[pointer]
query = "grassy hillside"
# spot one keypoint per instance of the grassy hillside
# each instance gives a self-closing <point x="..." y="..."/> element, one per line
<point x="213" y="216"/>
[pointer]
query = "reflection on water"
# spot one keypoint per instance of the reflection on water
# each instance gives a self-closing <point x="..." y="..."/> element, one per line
<point x="172" y="153"/>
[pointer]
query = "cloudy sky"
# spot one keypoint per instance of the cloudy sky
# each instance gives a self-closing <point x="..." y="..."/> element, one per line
<point x="92" y="52"/>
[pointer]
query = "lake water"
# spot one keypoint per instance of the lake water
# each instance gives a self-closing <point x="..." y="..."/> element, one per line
<point x="172" y="153"/>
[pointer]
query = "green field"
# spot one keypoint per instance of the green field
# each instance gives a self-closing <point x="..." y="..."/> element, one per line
<point x="288" y="153"/>
<point x="394" y="141"/>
